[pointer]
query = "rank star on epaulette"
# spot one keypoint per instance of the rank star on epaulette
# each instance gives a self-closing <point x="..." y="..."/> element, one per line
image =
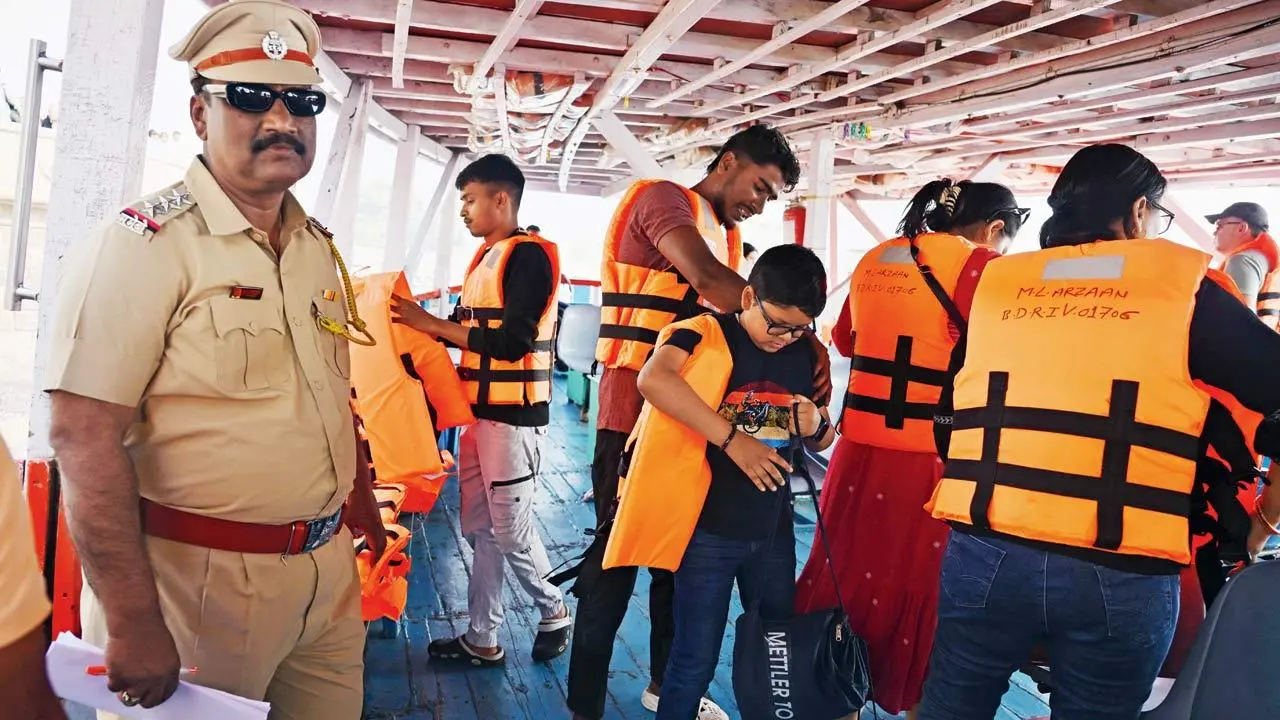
<point x="158" y="205"/>
<point x="179" y="197"/>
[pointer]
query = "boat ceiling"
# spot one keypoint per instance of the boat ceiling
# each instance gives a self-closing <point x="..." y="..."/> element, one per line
<point x="596" y="91"/>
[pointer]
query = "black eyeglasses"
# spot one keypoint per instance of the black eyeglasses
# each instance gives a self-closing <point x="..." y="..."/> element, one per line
<point x="1165" y="217"/>
<point x="1020" y="214"/>
<point x="778" y="329"/>
<point x="256" y="98"/>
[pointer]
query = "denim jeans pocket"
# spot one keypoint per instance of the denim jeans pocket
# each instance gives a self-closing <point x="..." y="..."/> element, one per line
<point x="968" y="570"/>
<point x="1141" y="609"/>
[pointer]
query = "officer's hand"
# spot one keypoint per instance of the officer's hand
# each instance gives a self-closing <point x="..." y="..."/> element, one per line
<point x="821" y="370"/>
<point x="806" y="420"/>
<point x="408" y="312"/>
<point x="142" y="663"/>
<point x="762" y="464"/>
<point x="376" y="536"/>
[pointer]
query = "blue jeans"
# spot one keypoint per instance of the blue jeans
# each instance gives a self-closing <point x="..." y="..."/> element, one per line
<point x="1107" y="631"/>
<point x="704" y="583"/>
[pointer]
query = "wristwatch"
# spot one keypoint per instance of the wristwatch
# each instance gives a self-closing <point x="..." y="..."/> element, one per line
<point x="818" y="434"/>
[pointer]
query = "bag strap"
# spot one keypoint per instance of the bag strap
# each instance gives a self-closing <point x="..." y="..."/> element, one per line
<point x="802" y="468"/>
<point x="949" y="305"/>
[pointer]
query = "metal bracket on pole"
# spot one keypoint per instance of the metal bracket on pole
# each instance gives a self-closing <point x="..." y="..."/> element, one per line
<point x="15" y="291"/>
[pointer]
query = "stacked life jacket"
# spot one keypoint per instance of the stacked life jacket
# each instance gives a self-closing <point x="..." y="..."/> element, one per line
<point x="638" y="302"/>
<point x="1268" y="306"/>
<point x="1076" y="421"/>
<point x="904" y="358"/>
<point x="664" y="471"/>
<point x="487" y="380"/>
<point x="405" y="391"/>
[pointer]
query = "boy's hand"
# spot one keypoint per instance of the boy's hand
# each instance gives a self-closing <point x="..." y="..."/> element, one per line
<point x="806" y="421"/>
<point x="407" y="312"/>
<point x="761" y="463"/>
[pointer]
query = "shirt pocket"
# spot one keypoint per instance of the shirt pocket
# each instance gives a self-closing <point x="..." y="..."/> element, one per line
<point x="251" y="348"/>
<point x="333" y="348"/>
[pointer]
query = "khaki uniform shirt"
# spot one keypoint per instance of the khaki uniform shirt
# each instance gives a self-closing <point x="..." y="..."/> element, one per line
<point x="23" y="604"/>
<point x="180" y="308"/>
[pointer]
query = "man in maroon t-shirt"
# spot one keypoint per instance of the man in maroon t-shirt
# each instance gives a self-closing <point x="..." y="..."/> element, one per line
<point x="662" y="233"/>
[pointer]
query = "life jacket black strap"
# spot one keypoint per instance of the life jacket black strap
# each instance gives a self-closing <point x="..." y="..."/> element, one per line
<point x="1110" y="490"/>
<point x="895" y="409"/>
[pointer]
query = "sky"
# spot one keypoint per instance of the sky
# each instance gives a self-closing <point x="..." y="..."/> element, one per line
<point x="577" y="223"/>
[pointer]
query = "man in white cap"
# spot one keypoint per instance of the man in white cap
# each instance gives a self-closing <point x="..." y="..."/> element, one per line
<point x="201" y="419"/>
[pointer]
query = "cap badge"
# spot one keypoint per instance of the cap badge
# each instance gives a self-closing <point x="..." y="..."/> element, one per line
<point x="274" y="46"/>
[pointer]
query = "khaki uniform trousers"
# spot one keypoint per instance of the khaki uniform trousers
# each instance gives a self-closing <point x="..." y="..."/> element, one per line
<point x="286" y="632"/>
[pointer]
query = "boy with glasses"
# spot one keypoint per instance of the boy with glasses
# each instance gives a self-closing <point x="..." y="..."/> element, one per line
<point x="704" y="477"/>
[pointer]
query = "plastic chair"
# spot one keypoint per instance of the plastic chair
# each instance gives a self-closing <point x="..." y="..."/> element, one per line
<point x="1228" y="673"/>
<point x="576" y="340"/>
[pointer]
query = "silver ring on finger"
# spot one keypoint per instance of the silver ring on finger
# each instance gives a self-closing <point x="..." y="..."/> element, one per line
<point x="128" y="700"/>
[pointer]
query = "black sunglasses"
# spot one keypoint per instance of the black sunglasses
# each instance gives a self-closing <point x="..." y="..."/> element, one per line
<point x="1021" y="214"/>
<point x="257" y="98"/>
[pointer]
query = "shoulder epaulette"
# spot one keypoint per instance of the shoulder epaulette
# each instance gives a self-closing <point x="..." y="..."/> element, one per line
<point x="315" y="224"/>
<point x="147" y="216"/>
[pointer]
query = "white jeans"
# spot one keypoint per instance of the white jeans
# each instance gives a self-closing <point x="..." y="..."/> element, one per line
<point x="497" y="470"/>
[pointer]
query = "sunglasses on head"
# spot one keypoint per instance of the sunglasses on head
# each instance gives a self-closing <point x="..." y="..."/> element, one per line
<point x="258" y="98"/>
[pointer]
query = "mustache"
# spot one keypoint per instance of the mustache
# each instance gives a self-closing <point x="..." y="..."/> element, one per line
<point x="267" y="141"/>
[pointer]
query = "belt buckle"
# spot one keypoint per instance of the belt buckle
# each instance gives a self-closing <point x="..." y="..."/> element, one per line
<point x="465" y="314"/>
<point x="321" y="531"/>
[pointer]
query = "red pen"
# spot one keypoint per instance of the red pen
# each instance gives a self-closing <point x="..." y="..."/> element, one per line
<point x="101" y="671"/>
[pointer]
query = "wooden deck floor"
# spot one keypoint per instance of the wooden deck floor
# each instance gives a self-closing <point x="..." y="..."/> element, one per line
<point x="401" y="683"/>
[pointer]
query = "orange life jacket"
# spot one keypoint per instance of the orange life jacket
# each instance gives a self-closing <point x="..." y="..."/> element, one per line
<point x="1268" y="306"/>
<point x="406" y="389"/>
<point x="902" y="342"/>
<point x="487" y="380"/>
<point x="637" y="302"/>
<point x="384" y="585"/>
<point x="664" y="472"/>
<point x="1076" y="420"/>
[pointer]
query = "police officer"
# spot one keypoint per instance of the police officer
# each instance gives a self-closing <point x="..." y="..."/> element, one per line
<point x="199" y="378"/>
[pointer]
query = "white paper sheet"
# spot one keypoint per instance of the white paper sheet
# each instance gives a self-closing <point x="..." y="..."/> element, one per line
<point x="69" y="656"/>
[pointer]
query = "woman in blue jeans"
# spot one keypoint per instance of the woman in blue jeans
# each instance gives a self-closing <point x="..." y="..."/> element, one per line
<point x="1091" y="369"/>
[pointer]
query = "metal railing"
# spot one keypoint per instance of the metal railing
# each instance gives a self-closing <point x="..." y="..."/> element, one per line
<point x="15" y="276"/>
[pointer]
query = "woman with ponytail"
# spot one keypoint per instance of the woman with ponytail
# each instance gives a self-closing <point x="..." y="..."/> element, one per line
<point x="903" y="326"/>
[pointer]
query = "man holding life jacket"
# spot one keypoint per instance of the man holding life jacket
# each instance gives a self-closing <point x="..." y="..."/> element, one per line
<point x="201" y="412"/>
<point x="1080" y="416"/>
<point x="504" y="323"/>
<point x="1250" y="257"/>
<point x="670" y="252"/>
<point x="24" y="607"/>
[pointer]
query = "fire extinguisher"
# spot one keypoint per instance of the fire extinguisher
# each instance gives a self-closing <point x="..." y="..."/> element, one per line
<point x="793" y="223"/>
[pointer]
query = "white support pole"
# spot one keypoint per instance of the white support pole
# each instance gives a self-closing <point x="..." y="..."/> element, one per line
<point x="344" y="214"/>
<point x="401" y="196"/>
<point x="446" y="238"/>
<point x="620" y="138"/>
<point x="821" y="170"/>
<point x="859" y="213"/>
<point x="443" y="188"/>
<point x="404" y="9"/>
<point x="1190" y="223"/>
<point x="350" y="126"/>
<point x="108" y="82"/>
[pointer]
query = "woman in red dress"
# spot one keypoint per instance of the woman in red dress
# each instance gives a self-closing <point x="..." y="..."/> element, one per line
<point x="907" y="302"/>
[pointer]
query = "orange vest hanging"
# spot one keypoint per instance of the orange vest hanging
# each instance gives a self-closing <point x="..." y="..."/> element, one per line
<point x="406" y="389"/>
<point x="664" y="471"/>
<point x="487" y="380"/>
<point x="1076" y="420"/>
<point x="637" y="302"/>
<point x="902" y="342"/>
<point x="384" y="585"/>
<point x="1268" y="306"/>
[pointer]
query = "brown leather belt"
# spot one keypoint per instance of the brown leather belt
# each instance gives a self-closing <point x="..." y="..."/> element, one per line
<point x="216" y="534"/>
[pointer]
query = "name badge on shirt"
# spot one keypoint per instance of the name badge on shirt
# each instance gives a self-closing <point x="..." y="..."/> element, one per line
<point x="246" y="292"/>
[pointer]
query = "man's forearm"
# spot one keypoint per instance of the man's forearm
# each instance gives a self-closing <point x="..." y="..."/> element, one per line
<point x="721" y="287"/>
<point x="453" y="333"/>
<point x="101" y="495"/>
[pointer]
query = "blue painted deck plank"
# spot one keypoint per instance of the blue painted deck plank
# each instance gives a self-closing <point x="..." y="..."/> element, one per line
<point x="401" y="683"/>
